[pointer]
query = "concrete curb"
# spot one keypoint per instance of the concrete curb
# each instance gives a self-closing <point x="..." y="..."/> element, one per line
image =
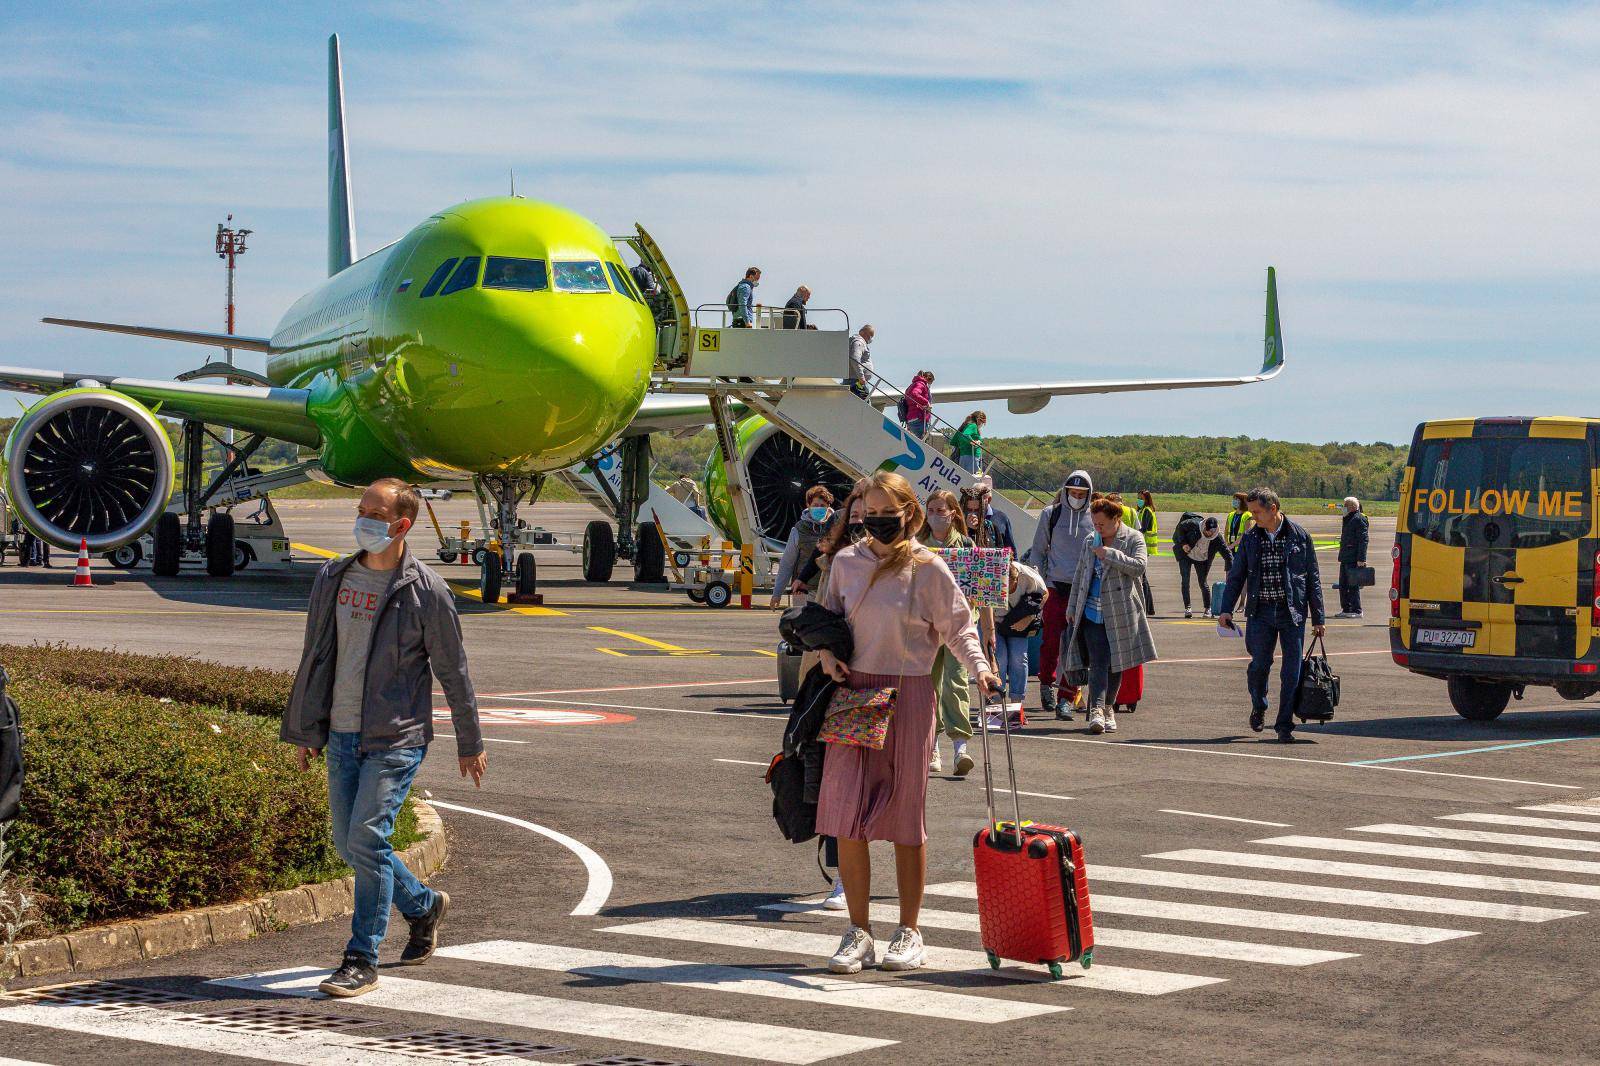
<point x="168" y="934"/>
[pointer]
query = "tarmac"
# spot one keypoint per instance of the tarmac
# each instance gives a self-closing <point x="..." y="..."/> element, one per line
<point x="1402" y="885"/>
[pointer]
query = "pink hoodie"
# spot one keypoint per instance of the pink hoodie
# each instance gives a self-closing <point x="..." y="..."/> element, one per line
<point x="919" y="400"/>
<point x="893" y="635"/>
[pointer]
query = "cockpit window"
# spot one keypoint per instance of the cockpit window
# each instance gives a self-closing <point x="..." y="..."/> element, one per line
<point x="465" y="277"/>
<point x="585" y="275"/>
<point x="523" y="275"/>
<point x="620" y="281"/>
<point x="437" y="279"/>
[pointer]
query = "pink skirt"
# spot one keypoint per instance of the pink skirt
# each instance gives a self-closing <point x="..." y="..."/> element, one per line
<point x="882" y="795"/>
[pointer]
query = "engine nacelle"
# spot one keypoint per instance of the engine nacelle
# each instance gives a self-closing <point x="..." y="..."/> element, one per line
<point x="89" y="463"/>
<point x="781" y="469"/>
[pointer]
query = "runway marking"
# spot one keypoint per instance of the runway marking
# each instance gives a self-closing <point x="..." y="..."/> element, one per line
<point x="648" y="641"/>
<point x="1565" y="808"/>
<point x="1531" y="823"/>
<point x="594" y="897"/>
<point x="308" y="1047"/>
<point x="469" y="593"/>
<point x="537" y="716"/>
<point x="763" y="651"/>
<point x="608" y="651"/>
<point x="1229" y="818"/>
<point x="767" y="936"/>
<point x="1520" y="885"/>
<point x="1417" y="851"/>
<point x="630" y="688"/>
<point x="1354" y="897"/>
<point x="312" y="549"/>
<point x="1246" y="658"/>
<point x="611" y="1021"/>
<point x="1475" y="836"/>
<point x="1042" y="795"/>
<point x="743" y="762"/>
<point x="1132" y="940"/>
<point x="801" y="987"/>
<point x="486" y="740"/>
<point x="1243" y="917"/>
<point x="1468" y="751"/>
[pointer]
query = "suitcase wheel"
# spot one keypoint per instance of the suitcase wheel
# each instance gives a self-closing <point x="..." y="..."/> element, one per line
<point x="994" y="960"/>
<point x="1088" y="957"/>
<point x="1055" y="971"/>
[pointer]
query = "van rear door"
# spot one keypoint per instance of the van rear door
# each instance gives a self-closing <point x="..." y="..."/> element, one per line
<point x="1501" y="513"/>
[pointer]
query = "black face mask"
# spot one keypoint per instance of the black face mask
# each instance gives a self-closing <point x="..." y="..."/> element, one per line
<point x="855" y="530"/>
<point x="885" y="528"/>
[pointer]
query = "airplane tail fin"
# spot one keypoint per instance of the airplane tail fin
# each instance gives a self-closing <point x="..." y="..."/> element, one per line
<point x="1272" y="354"/>
<point x="341" y="210"/>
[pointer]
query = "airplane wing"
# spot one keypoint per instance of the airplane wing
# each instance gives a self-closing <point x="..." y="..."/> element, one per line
<point x="187" y="336"/>
<point x="279" y="413"/>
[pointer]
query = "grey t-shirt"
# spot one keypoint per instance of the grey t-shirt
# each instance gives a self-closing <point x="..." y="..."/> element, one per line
<point x="355" y="609"/>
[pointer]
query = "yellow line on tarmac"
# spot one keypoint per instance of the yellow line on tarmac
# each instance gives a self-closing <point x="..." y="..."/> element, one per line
<point x="763" y="651"/>
<point x="612" y="651"/>
<point x="625" y="635"/>
<point x="311" y="549"/>
<point x="533" y="612"/>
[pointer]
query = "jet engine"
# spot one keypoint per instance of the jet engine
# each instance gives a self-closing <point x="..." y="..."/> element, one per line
<point x="781" y="469"/>
<point x="88" y="463"/>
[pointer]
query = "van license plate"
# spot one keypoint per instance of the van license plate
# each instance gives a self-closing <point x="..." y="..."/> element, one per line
<point x="1448" y="638"/>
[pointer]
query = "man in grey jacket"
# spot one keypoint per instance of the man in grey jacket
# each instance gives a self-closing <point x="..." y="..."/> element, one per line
<point x="378" y="624"/>
<point x="1057" y="544"/>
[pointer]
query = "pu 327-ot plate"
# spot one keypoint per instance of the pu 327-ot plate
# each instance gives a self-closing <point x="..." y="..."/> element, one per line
<point x="1447" y="638"/>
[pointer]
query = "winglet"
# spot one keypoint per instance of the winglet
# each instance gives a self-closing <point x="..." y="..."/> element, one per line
<point x="1272" y="354"/>
<point x="341" y="210"/>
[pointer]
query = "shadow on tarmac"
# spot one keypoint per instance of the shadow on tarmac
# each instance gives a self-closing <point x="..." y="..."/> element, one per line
<point x="1448" y="727"/>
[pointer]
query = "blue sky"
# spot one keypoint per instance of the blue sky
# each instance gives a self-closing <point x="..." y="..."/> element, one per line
<point x="1067" y="191"/>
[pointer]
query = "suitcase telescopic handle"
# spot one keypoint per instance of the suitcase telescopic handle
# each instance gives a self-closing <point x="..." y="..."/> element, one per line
<point x="988" y="761"/>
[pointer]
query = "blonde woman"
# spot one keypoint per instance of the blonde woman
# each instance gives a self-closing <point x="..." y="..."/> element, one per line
<point x="902" y="603"/>
<point x="943" y="530"/>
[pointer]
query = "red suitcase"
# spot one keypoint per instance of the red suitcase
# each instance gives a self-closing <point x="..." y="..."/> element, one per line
<point x="1033" y="891"/>
<point x="1130" y="690"/>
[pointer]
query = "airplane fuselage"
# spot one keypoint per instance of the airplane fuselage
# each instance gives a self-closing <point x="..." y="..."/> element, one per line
<point x="500" y="336"/>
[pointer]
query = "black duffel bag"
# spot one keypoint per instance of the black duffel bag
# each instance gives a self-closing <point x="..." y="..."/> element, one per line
<point x="10" y="755"/>
<point x="1318" y="692"/>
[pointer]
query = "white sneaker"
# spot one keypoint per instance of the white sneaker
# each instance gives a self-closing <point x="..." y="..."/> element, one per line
<point x="905" y="950"/>
<point x="964" y="763"/>
<point x="856" y="950"/>
<point x="1097" y="721"/>
<point x="936" y="764"/>
<point x="1111" y="720"/>
<point x="835" y="900"/>
<point x="1187" y="613"/>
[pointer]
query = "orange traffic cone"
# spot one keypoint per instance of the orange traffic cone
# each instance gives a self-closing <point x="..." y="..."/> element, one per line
<point x="80" y="577"/>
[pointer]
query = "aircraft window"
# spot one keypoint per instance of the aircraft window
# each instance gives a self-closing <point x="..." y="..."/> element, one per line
<point x="582" y="276"/>
<point x="465" y="277"/>
<point x="436" y="279"/>
<point x="619" y="280"/>
<point x="524" y="275"/>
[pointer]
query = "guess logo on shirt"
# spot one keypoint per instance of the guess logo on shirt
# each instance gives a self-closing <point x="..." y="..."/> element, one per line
<point x="361" y="604"/>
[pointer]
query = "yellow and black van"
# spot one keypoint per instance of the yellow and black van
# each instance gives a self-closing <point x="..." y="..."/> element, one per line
<point x="1496" y="559"/>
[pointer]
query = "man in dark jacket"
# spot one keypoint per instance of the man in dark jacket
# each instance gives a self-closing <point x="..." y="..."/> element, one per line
<point x="1276" y="568"/>
<point x="379" y="623"/>
<point x="1352" y="553"/>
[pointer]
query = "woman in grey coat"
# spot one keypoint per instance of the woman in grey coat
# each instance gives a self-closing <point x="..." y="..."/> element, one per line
<point x="1107" y="630"/>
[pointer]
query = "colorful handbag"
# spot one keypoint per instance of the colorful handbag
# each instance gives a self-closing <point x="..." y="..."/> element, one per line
<point x="859" y="717"/>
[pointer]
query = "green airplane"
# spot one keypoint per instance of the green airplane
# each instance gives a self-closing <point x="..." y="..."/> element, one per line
<point x="498" y="341"/>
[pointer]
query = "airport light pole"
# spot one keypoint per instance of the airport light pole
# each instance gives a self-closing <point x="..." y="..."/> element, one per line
<point x="230" y="246"/>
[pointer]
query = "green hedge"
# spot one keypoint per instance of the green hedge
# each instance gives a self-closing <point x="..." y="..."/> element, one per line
<point x="133" y="806"/>
<point x="176" y="677"/>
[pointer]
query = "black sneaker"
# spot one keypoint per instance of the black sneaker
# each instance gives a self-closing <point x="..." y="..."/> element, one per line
<point x="425" y="932"/>
<point x="1258" y="720"/>
<point x="353" y="977"/>
<point x="1285" y="736"/>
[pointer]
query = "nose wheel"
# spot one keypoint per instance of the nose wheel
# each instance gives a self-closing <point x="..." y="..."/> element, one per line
<point x="499" y="495"/>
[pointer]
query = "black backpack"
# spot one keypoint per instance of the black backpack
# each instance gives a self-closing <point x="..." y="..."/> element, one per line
<point x="10" y="755"/>
<point x="1318" y="692"/>
<point x="1187" y="533"/>
<point x="902" y="410"/>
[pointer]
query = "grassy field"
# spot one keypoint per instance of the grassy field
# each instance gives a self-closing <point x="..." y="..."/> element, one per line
<point x="554" y="492"/>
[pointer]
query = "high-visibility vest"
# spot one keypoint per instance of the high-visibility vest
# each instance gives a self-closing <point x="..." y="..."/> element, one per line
<point x="1237" y="525"/>
<point x="1149" y="534"/>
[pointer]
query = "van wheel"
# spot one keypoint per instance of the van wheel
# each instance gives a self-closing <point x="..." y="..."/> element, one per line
<point x="1478" y="701"/>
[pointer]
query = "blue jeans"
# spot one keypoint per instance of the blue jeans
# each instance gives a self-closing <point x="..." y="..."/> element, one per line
<point x="1011" y="663"/>
<point x="917" y="426"/>
<point x="969" y="463"/>
<point x="1271" y="625"/>
<point x="1103" y="681"/>
<point x="365" y="791"/>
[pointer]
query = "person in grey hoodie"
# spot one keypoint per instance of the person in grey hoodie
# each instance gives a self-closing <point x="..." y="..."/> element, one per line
<point x="378" y="624"/>
<point x="1058" y="541"/>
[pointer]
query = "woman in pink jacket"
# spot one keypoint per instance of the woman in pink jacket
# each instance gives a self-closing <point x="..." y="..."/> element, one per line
<point x="919" y="403"/>
<point x="903" y="604"/>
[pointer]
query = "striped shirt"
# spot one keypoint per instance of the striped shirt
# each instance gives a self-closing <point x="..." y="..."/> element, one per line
<point x="1274" y="569"/>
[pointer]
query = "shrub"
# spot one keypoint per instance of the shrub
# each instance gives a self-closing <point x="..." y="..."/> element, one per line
<point x="176" y="677"/>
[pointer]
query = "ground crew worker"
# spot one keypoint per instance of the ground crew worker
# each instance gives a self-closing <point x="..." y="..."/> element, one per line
<point x="1238" y="522"/>
<point x="1146" y="513"/>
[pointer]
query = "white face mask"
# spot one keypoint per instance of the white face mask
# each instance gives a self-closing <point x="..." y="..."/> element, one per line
<point x="372" y="535"/>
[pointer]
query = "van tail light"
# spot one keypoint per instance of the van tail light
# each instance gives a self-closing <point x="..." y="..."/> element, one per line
<point x="1585" y="668"/>
<point x="1394" y="583"/>
<point x="1402" y="658"/>
<point x="1594" y="605"/>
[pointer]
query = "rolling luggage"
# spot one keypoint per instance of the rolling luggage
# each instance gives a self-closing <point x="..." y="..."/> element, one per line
<point x="788" y="671"/>
<point x="1130" y="690"/>
<point x="1217" y="589"/>
<point x="1033" y="892"/>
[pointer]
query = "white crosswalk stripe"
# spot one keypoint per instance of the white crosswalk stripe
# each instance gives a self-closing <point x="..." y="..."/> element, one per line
<point x="1523" y="820"/>
<point x="1479" y="836"/>
<point x="20" y="1062"/>
<point x="1133" y="940"/>
<point x="807" y="988"/>
<point x="1355" y="928"/>
<point x="1417" y="851"/>
<point x="1520" y="885"/>
<point x="751" y="1040"/>
<point x="771" y="936"/>
<point x="1565" y="808"/>
<point x="169" y="1029"/>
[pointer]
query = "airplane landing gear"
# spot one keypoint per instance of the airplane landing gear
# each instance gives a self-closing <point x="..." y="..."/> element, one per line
<point x="499" y="496"/>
